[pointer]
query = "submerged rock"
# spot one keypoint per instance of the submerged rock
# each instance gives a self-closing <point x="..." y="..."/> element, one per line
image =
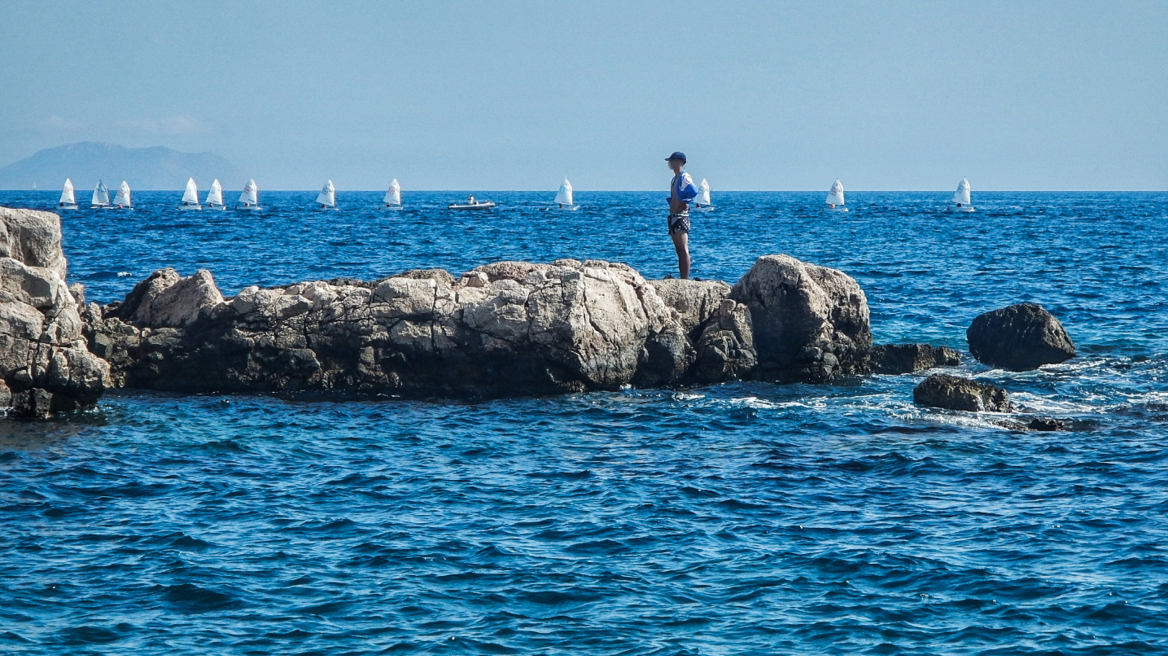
<point x="45" y="366"/>
<point x="954" y="393"/>
<point x="1019" y="337"/>
<point x="1047" y="424"/>
<point x="810" y="323"/>
<point x="911" y="358"/>
<point x="507" y="328"/>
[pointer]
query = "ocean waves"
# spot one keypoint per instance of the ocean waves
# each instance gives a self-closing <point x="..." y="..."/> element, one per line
<point x="743" y="518"/>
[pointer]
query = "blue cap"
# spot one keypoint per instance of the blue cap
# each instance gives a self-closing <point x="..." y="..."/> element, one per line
<point x="677" y="155"/>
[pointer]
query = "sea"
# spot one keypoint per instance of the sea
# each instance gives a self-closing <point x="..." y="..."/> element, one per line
<point x="742" y="518"/>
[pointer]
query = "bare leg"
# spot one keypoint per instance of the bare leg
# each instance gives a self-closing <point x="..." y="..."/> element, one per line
<point x="681" y="245"/>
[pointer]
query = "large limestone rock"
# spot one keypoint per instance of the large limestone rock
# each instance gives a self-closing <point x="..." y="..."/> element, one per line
<point x="1019" y="337"/>
<point x="45" y="366"/>
<point x="501" y="329"/>
<point x="810" y="323"/>
<point x="505" y="328"/>
<point x="954" y="393"/>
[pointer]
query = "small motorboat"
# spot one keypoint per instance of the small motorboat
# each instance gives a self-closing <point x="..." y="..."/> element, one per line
<point x="472" y="204"/>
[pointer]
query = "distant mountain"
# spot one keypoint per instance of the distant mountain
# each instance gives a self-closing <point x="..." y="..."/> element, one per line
<point x="144" y="168"/>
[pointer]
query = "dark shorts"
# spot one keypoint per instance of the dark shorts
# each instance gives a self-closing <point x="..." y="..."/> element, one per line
<point x="679" y="223"/>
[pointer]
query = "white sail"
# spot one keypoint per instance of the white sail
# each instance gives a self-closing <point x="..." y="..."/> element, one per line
<point x="123" y="197"/>
<point x="703" y="197"/>
<point x="67" y="196"/>
<point x="961" y="196"/>
<point x="835" y="196"/>
<point x="250" y="195"/>
<point x="393" y="196"/>
<point x="215" y="196"/>
<point x="100" y="195"/>
<point x="327" y="195"/>
<point x="564" y="196"/>
<point x="191" y="195"/>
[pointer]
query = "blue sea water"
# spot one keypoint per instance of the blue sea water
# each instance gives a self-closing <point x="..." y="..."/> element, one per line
<point x="742" y="518"/>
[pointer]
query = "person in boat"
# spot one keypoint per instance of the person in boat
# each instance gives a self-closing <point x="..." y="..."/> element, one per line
<point x="470" y="200"/>
<point x="681" y="191"/>
<point x="831" y="206"/>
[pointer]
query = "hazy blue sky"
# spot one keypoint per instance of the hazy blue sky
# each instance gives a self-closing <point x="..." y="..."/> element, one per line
<point x="511" y="95"/>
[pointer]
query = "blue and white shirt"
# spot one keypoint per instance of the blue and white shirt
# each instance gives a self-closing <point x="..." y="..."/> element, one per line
<point x="682" y="188"/>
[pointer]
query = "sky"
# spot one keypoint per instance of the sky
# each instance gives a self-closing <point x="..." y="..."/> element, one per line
<point x="772" y="95"/>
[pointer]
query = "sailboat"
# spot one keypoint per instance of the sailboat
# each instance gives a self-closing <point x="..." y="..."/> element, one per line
<point x="961" y="202"/>
<point x="122" y="199"/>
<point x="68" y="200"/>
<point x="393" y="196"/>
<point x="249" y="199"/>
<point x="100" y="196"/>
<point x="835" y="197"/>
<point x="564" y="196"/>
<point x="702" y="200"/>
<point x="215" y="196"/>
<point x="190" y="199"/>
<point x="327" y="198"/>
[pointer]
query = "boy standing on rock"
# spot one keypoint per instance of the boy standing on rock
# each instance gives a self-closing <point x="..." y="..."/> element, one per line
<point x="681" y="190"/>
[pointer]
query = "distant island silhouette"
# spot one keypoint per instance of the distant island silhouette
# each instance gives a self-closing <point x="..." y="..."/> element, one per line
<point x="86" y="162"/>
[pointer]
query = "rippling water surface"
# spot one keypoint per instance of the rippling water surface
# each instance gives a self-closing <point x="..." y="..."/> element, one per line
<point x="733" y="519"/>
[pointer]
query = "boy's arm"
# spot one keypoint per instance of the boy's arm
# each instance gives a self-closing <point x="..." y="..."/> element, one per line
<point x="687" y="191"/>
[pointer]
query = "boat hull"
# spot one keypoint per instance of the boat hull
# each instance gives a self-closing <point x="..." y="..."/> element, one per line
<point x="67" y="207"/>
<point x="477" y="206"/>
<point x="190" y="207"/>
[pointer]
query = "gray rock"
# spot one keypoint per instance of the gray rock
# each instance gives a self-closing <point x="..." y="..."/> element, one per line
<point x="45" y="366"/>
<point x="181" y="303"/>
<point x="810" y="323"/>
<point x="1047" y="424"/>
<point x="954" y="393"/>
<point x="910" y="358"/>
<point x="506" y="328"/>
<point x="1019" y="337"/>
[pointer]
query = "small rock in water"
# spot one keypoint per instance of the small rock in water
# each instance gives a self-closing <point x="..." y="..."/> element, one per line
<point x="1047" y="424"/>
<point x="954" y="393"/>
<point x="911" y="358"/>
<point x="1019" y="337"/>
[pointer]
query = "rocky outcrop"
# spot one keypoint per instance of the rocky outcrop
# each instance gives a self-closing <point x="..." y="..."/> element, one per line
<point x="45" y="366"/>
<point x="810" y="323"/>
<point x="910" y="358"/>
<point x="505" y="328"/>
<point x="954" y="393"/>
<point x="1019" y="337"/>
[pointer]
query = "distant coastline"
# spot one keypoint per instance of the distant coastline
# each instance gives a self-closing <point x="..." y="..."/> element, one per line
<point x="86" y="162"/>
